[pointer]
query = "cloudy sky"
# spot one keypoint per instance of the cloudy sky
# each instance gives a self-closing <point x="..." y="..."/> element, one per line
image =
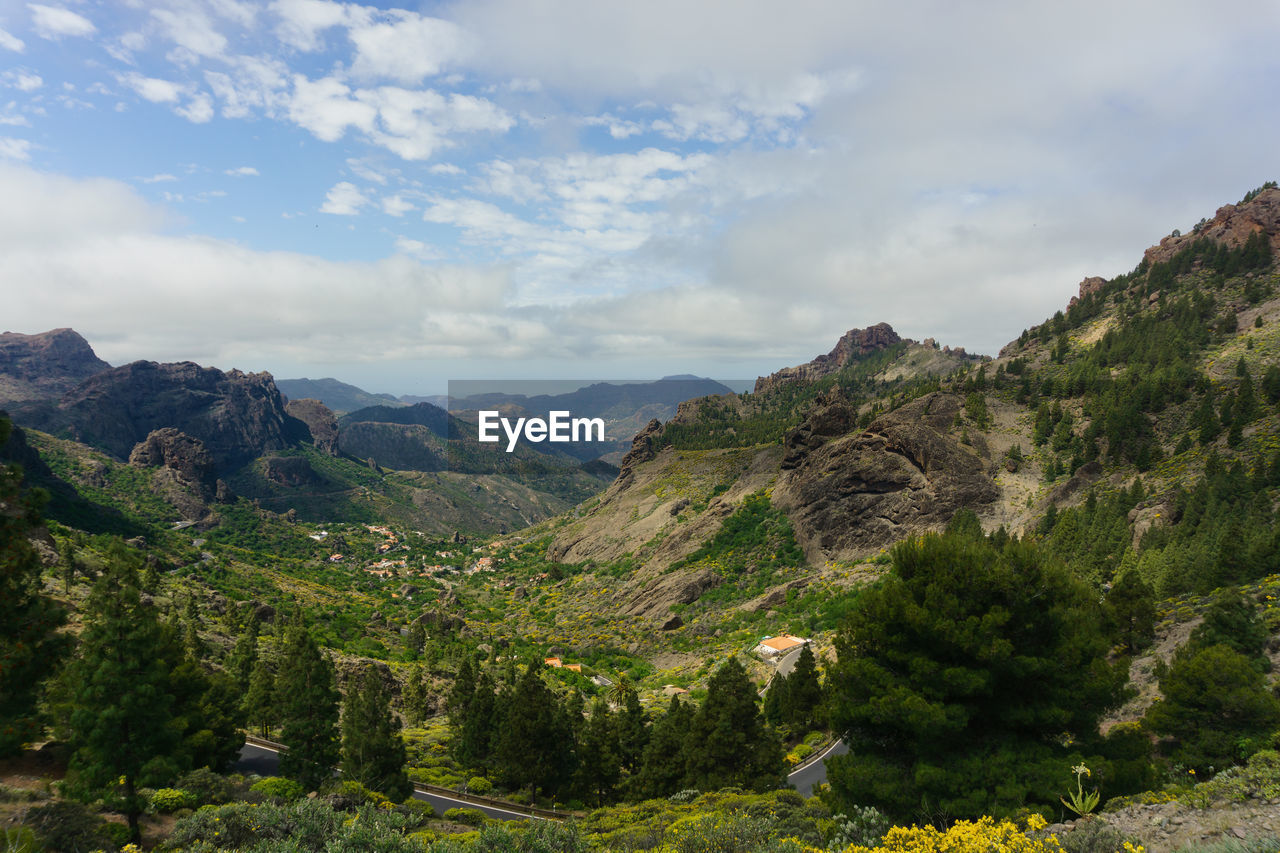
<point x="401" y="195"/>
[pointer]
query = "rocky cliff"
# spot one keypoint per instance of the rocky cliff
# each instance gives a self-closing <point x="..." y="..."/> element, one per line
<point x="852" y="344"/>
<point x="320" y="422"/>
<point x="1232" y="225"/>
<point x="45" y="366"/>
<point x="236" y="416"/>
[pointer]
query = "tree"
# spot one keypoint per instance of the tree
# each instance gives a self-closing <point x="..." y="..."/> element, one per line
<point x="260" y="700"/>
<point x="308" y="711"/>
<point x="662" y="768"/>
<point x="534" y="742"/>
<point x="804" y="692"/>
<point x="244" y="656"/>
<point x="598" y="761"/>
<point x="1233" y="621"/>
<point x="122" y="722"/>
<point x="30" y="645"/>
<point x="373" y="753"/>
<point x="633" y="732"/>
<point x="1216" y="707"/>
<point x="473" y="744"/>
<point x="1131" y="611"/>
<point x="960" y="677"/>
<point x="728" y="743"/>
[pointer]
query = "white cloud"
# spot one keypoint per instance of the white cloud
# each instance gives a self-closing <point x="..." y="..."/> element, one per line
<point x="302" y="21"/>
<point x="14" y="149"/>
<point x="405" y="47"/>
<point x="153" y="89"/>
<point x="253" y="83"/>
<point x="22" y="80"/>
<point x="199" y="110"/>
<point x="394" y="205"/>
<point x="344" y="199"/>
<point x="54" y="21"/>
<point x="161" y="178"/>
<point x="242" y="172"/>
<point x="92" y="258"/>
<point x="8" y="41"/>
<point x="191" y="29"/>
<point x="412" y="124"/>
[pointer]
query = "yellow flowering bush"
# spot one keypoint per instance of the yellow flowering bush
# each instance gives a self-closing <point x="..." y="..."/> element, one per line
<point x="981" y="836"/>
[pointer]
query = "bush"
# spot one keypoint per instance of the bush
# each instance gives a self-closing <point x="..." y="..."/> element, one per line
<point x="67" y="825"/>
<point x="1092" y="836"/>
<point x="278" y="788"/>
<point x="207" y="787"/>
<point x="862" y="826"/>
<point x="168" y="800"/>
<point x="470" y="817"/>
<point x="479" y="785"/>
<point x="118" y="833"/>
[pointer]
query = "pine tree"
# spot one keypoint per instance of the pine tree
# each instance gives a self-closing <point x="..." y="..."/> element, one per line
<point x="633" y="733"/>
<point x="662" y="768"/>
<point x="1131" y="611"/>
<point x="598" y="761"/>
<point x="473" y="746"/>
<point x="260" y="700"/>
<point x="373" y="753"/>
<point x="122" y="720"/>
<point x="245" y="655"/>
<point x="804" y="692"/>
<point x="308" y="711"/>
<point x="30" y="646"/>
<point x="728" y="743"/>
<point x="534" y="741"/>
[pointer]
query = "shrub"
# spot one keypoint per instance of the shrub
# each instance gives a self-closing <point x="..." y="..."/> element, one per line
<point x="207" y="787"/>
<point x="168" y="800"/>
<point x="278" y="788"/>
<point x="1092" y="836"/>
<point x="67" y="825"/>
<point x="862" y="826"/>
<point x="965" y="836"/>
<point x="470" y="817"/>
<point x="479" y="785"/>
<point x="118" y="833"/>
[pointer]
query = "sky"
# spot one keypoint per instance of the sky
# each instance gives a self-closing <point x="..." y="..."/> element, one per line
<point x="400" y="195"/>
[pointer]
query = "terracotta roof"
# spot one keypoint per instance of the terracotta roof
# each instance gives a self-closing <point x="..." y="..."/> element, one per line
<point x="781" y="644"/>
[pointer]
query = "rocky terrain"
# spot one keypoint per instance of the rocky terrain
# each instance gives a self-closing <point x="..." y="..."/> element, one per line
<point x="44" y="366"/>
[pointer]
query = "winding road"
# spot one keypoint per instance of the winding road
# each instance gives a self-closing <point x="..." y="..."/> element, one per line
<point x="264" y="760"/>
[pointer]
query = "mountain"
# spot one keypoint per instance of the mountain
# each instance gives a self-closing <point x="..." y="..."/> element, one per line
<point x="340" y="397"/>
<point x="238" y="416"/>
<point x="1136" y="427"/>
<point x="624" y="407"/>
<point x="44" y="366"/>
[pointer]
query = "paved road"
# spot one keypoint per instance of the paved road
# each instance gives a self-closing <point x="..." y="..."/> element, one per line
<point x="810" y="776"/>
<point x="266" y="762"/>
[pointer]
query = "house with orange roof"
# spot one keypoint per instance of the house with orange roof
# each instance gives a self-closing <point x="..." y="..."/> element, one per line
<point x="771" y="647"/>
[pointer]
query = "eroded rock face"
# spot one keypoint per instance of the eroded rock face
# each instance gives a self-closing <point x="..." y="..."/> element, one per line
<point x="184" y="455"/>
<point x="679" y="587"/>
<point x="1233" y="224"/>
<point x="45" y="366"/>
<point x="237" y="416"/>
<point x="319" y="420"/>
<point x="854" y="343"/>
<point x="643" y="448"/>
<point x="292" y="471"/>
<point x="851" y="494"/>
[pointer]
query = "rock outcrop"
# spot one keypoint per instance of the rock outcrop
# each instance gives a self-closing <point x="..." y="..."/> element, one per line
<point x="1232" y="225"/>
<point x="179" y="452"/>
<point x="849" y="494"/>
<point x="681" y="587"/>
<point x="855" y="343"/>
<point x="237" y="416"/>
<point x="45" y="366"/>
<point x="643" y="448"/>
<point x="320" y="421"/>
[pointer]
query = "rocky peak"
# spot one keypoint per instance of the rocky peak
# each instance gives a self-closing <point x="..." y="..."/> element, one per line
<point x="184" y="455"/>
<point x="1233" y="224"/>
<point x="45" y="365"/>
<point x="319" y="420"/>
<point x="855" y="343"/>
<point x="236" y="415"/>
<point x="642" y="448"/>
